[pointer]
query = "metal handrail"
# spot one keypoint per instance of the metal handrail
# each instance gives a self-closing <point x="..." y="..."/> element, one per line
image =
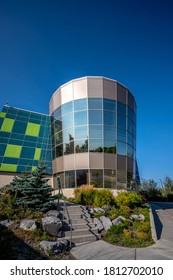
<point x="60" y="192"/>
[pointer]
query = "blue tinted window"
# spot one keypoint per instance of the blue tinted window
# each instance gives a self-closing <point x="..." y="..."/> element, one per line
<point x="15" y="142"/>
<point x="96" y="131"/>
<point x="57" y="112"/>
<point x="121" y="122"/>
<point x="22" y="113"/>
<point x="95" y="103"/>
<point x="121" y="108"/>
<point x="131" y="114"/>
<point x="67" y="108"/>
<point x="109" y="118"/>
<point x="67" y="120"/>
<point x="96" y="145"/>
<point x="131" y="127"/>
<point x="35" y="116"/>
<point x="4" y="134"/>
<point x="81" y="146"/>
<point x="19" y="127"/>
<point x="131" y="139"/>
<point x="81" y="132"/>
<point x="68" y="134"/>
<point x="95" y="117"/>
<point x="25" y="162"/>
<point x="121" y="135"/>
<point x="109" y="147"/>
<point x="109" y="104"/>
<point x="109" y="132"/>
<point x="80" y="104"/>
<point x="58" y="138"/>
<point x="130" y="151"/>
<point x="69" y="148"/>
<point x="59" y="150"/>
<point x="121" y="148"/>
<point x="4" y="140"/>
<point x="80" y="118"/>
<point x="17" y="136"/>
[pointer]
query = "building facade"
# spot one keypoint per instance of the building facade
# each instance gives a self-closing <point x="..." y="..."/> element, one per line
<point x="93" y="124"/>
<point x="89" y="136"/>
<point x="24" y="140"/>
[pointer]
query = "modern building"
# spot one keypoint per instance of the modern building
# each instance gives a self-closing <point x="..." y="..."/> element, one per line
<point x="92" y="127"/>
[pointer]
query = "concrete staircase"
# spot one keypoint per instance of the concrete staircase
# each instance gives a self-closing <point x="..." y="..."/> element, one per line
<point x="83" y="228"/>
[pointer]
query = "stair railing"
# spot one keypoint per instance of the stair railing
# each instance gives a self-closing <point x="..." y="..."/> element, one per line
<point x="60" y="193"/>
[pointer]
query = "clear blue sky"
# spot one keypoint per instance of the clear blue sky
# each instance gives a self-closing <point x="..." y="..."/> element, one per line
<point x="45" y="43"/>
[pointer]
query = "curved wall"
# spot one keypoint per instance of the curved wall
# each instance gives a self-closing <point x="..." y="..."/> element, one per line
<point x="94" y="133"/>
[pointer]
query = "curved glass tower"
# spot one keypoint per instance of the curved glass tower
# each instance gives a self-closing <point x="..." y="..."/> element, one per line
<point x="93" y="123"/>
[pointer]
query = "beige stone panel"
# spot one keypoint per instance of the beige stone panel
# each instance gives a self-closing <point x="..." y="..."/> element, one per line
<point x="130" y="165"/>
<point x="110" y="161"/>
<point x="80" y="88"/>
<point x="121" y="162"/>
<point x="109" y="89"/>
<point x="51" y="106"/>
<point x="69" y="162"/>
<point x="6" y="178"/>
<point x="67" y="93"/>
<point x="58" y="165"/>
<point x="95" y="87"/>
<point x="82" y="161"/>
<point x="57" y="99"/>
<point x="122" y="93"/>
<point x="96" y="160"/>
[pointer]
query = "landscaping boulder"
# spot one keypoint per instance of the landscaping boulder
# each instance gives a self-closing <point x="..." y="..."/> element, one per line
<point x="117" y="221"/>
<point x="53" y="213"/>
<point x="139" y="217"/>
<point x="106" y="222"/>
<point x="6" y="223"/>
<point x="56" y="247"/>
<point x="99" y="210"/>
<point x="28" y="224"/>
<point x="51" y="225"/>
<point x="91" y="211"/>
<point x="98" y="224"/>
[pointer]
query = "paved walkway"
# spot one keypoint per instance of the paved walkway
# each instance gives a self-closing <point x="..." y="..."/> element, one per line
<point x="162" y="230"/>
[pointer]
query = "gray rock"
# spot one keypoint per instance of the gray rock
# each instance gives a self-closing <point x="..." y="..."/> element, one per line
<point x="28" y="224"/>
<point x="55" y="246"/>
<point x="51" y="225"/>
<point x="53" y="213"/>
<point x="91" y="210"/>
<point x="106" y="222"/>
<point x="98" y="224"/>
<point x="99" y="210"/>
<point x="6" y="223"/>
<point x="117" y="221"/>
<point x="139" y="217"/>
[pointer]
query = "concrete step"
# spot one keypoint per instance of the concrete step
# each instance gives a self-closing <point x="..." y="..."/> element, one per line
<point x="79" y="226"/>
<point x="80" y="232"/>
<point x="82" y="238"/>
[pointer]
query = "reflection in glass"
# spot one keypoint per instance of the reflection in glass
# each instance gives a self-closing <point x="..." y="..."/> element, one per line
<point x="57" y="112"/>
<point x="58" y="138"/>
<point x="95" y="117"/>
<point x="70" y="179"/>
<point x="58" y="125"/>
<point x="81" y="146"/>
<point x="68" y="134"/>
<point x="131" y="114"/>
<point x="61" y="175"/>
<point x="110" y="132"/>
<point x="69" y="148"/>
<point x="67" y="108"/>
<point x="96" y="178"/>
<point x="109" y="178"/>
<point x="67" y="120"/>
<point x="82" y="177"/>
<point x="121" y="148"/>
<point x="59" y="150"/>
<point x="121" y="179"/>
<point x="131" y="139"/>
<point x="121" y="122"/>
<point x="121" y="135"/>
<point x="131" y="127"/>
<point x="109" y="118"/>
<point x="81" y="132"/>
<point x="109" y="104"/>
<point x="109" y="147"/>
<point x="95" y="103"/>
<point x="80" y="118"/>
<point x="80" y="104"/>
<point x="96" y="131"/>
<point x="130" y="151"/>
<point x="96" y="145"/>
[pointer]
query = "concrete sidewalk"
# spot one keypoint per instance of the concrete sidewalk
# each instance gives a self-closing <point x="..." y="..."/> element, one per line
<point x="101" y="250"/>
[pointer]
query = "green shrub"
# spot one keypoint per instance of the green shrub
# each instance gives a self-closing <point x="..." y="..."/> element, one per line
<point x="84" y="195"/>
<point x="103" y="198"/>
<point x="128" y="199"/>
